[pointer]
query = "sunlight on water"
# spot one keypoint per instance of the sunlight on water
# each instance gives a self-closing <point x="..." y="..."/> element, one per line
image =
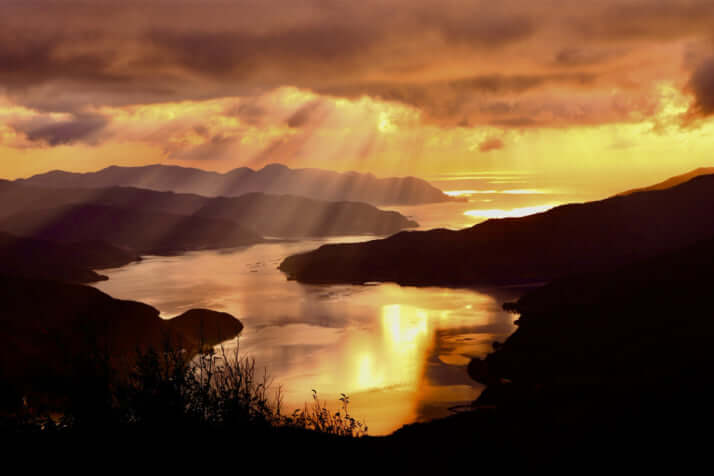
<point x="399" y="352"/>
<point x="488" y="197"/>
<point x="515" y="191"/>
<point x="512" y="213"/>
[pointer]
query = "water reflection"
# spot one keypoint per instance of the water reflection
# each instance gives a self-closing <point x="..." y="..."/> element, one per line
<point x="480" y="205"/>
<point x="399" y="352"/>
<point x="510" y="213"/>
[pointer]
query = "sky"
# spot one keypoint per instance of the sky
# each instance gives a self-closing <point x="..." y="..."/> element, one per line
<point x="603" y="95"/>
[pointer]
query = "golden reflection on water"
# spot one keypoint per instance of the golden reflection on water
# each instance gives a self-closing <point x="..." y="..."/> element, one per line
<point x="418" y="371"/>
<point x="405" y="332"/>
<point x="477" y="205"/>
<point x="510" y="213"/>
<point x="515" y="191"/>
<point x="399" y="352"/>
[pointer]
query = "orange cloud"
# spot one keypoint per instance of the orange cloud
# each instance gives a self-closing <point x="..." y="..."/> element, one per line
<point x="390" y="86"/>
<point x="545" y="64"/>
<point x="490" y="144"/>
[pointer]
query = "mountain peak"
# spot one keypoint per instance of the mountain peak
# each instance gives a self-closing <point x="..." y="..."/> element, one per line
<point x="273" y="178"/>
<point x="276" y="166"/>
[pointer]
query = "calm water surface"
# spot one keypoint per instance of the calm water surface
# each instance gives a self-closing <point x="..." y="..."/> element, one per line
<point x="399" y="352"/>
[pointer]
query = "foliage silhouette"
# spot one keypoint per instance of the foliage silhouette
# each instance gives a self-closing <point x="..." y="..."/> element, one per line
<point x="172" y="392"/>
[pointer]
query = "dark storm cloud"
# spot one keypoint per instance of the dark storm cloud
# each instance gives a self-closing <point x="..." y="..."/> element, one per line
<point x="445" y="57"/>
<point x="519" y="83"/>
<point x="160" y="46"/>
<point x="648" y="19"/>
<point x="67" y="71"/>
<point x="478" y="28"/>
<point x="442" y="101"/>
<point x="239" y="54"/>
<point x="81" y="128"/>
<point x="27" y="58"/>
<point x="416" y="93"/>
<point x="701" y="84"/>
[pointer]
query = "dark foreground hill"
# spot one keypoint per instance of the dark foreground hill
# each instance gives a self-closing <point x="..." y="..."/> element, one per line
<point x="646" y="323"/>
<point x="267" y="215"/>
<point x="537" y="248"/>
<point x="273" y="179"/>
<point x="49" y="260"/>
<point x="49" y="328"/>
<point x="610" y="365"/>
<point x="606" y="370"/>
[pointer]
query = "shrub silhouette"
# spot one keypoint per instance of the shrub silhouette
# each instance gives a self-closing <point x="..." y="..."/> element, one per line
<point x="317" y="417"/>
<point x="173" y="391"/>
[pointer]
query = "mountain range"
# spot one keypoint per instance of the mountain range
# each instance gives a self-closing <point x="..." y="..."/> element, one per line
<point x="610" y="360"/>
<point x="538" y="248"/>
<point x="272" y="179"/>
<point x="147" y="221"/>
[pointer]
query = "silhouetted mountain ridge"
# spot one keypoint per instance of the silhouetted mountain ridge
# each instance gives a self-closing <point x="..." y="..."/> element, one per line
<point x="271" y="179"/>
<point x="537" y="248"/>
<point x="268" y="215"/>
<point x="673" y="181"/>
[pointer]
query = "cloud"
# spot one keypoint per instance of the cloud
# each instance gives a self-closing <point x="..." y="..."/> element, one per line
<point x="80" y="128"/>
<point x="554" y="61"/>
<point x="216" y="147"/>
<point x="490" y="144"/>
<point x="485" y="28"/>
<point x="469" y="100"/>
<point x="618" y="20"/>
<point x="579" y="57"/>
<point x="249" y="111"/>
<point x="304" y="115"/>
<point x="515" y="122"/>
<point x="701" y="85"/>
<point x="27" y="58"/>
